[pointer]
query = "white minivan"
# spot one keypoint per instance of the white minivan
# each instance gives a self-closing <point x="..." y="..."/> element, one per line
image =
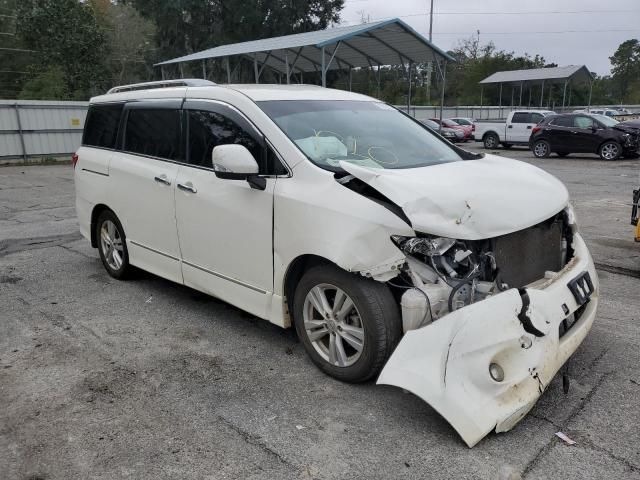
<point x="460" y="277"/>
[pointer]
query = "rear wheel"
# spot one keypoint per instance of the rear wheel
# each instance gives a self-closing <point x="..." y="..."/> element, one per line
<point x="541" y="149"/>
<point x="491" y="140"/>
<point x="112" y="245"/>
<point x="610" y="151"/>
<point x="349" y="325"/>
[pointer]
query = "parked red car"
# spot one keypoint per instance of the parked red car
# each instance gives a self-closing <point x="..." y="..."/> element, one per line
<point x="467" y="129"/>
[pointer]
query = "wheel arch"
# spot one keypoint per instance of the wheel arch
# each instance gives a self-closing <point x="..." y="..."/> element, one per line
<point x="294" y="273"/>
<point x="95" y="213"/>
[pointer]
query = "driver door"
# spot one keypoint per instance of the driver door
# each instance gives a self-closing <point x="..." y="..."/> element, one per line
<point x="224" y="226"/>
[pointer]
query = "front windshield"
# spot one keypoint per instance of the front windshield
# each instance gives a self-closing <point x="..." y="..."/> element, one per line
<point x="606" y="121"/>
<point x="365" y="133"/>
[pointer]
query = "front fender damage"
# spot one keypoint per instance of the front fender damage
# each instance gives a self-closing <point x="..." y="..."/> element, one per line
<point x="447" y="363"/>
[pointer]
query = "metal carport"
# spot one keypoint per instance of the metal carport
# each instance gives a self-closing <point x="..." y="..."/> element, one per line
<point x="389" y="42"/>
<point x="565" y="76"/>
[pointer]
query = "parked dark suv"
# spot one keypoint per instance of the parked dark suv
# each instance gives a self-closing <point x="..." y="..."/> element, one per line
<point x="583" y="133"/>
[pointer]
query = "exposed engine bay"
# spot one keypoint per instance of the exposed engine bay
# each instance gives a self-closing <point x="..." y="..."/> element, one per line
<point x="443" y="274"/>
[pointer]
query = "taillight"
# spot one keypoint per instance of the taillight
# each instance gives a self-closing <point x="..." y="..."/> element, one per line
<point x="535" y="130"/>
<point x="74" y="159"/>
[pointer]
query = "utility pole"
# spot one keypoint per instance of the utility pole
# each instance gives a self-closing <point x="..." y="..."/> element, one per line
<point x="430" y="64"/>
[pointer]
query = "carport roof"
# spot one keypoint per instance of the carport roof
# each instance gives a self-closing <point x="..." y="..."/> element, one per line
<point x="389" y="42"/>
<point x="579" y="73"/>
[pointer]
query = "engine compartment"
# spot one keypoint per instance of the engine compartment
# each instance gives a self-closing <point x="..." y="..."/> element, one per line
<point x="443" y="274"/>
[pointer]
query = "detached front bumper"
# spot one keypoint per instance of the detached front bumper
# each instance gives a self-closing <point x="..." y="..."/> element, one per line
<point x="447" y="363"/>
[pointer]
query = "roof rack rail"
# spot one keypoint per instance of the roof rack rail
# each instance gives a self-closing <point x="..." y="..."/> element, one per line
<point x="183" y="82"/>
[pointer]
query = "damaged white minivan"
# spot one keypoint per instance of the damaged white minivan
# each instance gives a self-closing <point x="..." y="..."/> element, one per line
<point x="395" y="254"/>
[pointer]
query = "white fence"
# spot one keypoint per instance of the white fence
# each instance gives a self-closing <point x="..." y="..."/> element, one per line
<point x="33" y="128"/>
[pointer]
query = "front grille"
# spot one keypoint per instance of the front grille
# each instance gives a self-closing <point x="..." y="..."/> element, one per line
<point x="523" y="257"/>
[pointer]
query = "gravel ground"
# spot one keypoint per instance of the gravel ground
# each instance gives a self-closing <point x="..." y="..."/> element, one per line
<point x="147" y="379"/>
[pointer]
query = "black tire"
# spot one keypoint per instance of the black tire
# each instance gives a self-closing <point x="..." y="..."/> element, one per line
<point x="491" y="141"/>
<point x="541" y="149"/>
<point x="610" y="150"/>
<point x="562" y="154"/>
<point x="506" y="146"/>
<point x="125" y="269"/>
<point x="375" y="307"/>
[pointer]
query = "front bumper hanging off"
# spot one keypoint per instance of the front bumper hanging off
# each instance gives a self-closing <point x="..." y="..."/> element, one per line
<point x="447" y="363"/>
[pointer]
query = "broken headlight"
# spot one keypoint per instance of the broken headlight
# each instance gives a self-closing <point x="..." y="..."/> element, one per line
<point x="428" y="246"/>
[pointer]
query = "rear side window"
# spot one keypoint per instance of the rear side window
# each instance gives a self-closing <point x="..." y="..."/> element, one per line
<point x="562" y="122"/>
<point x="536" y="117"/>
<point x="521" y="117"/>
<point x="101" y="126"/>
<point x="154" y="132"/>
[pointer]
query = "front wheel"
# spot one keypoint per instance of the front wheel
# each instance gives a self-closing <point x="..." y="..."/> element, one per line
<point x="610" y="151"/>
<point x="491" y="141"/>
<point x="541" y="149"/>
<point x="349" y="325"/>
<point x="112" y="245"/>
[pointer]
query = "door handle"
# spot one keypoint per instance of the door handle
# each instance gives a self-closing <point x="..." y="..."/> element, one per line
<point x="162" y="179"/>
<point x="573" y="131"/>
<point x="528" y="127"/>
<point x="510" y="126"/>
<point x="187" y="187"/>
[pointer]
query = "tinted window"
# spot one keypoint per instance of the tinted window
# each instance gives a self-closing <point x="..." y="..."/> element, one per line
<point x="209" y="129"/>
<point x="583" y="122"/>
<point x="154" y="132"/>
<point x="101" y="126"/>
<point x="536" y="117"/>
<point x="521" y="117"/>
<point x="562" y="122"/>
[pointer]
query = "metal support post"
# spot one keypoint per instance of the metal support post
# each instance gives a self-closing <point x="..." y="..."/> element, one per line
<point x="256" y="74"/>
<point x="20" y="132"/>
<point x="228" y="69"/>
<point x="564" y="94"/>
<point x="324" y="71"/>
<point x="409" y="92"/>
<point x="541" y="93"/>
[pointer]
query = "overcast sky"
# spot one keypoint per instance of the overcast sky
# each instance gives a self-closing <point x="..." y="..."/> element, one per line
<point x="592" y="31"/>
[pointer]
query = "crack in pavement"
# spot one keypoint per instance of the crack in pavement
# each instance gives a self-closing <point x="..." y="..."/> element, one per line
<point x="562" y="426"/>
<point x="254" y="440"/>
<point x="15" y="245"/>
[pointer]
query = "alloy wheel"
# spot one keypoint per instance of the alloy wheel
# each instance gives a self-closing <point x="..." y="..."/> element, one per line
<point x="540" y="149"/>
<point x="333" y="325"/>
<point x="610" y="151"/>
<point x="111" y="244"/>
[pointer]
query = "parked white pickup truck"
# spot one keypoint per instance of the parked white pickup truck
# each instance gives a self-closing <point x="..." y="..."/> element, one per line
<point x="515" y="130"/>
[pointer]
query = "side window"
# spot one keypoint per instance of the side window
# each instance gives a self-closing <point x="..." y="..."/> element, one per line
<point x="101" y="126"/>
<point x="209" y="129"/>
<point x="154" y="132"/>
<point x="521" y="117"/>
<point x="583" y="122"/>
<point x="562" y="122"/>
<point x="536" y="117"/>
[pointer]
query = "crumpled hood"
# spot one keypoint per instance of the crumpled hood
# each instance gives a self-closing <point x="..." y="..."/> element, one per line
<point x="469" y="200"/>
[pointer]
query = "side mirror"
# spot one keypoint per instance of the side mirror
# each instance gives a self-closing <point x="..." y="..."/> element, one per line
<point x="235" y="162"/>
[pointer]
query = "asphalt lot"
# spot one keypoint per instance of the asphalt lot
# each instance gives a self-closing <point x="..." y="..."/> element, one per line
<point x="147" y="379"/>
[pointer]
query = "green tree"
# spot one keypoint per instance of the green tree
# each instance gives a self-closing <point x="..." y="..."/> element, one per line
<point x="625" y="68"/>
<point x="187" y="26"/>
<point x="65" y="34"/>
<point x="48" y="85"/>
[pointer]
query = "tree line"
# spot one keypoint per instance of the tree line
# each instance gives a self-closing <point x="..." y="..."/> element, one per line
<point x="73" y="49"/>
